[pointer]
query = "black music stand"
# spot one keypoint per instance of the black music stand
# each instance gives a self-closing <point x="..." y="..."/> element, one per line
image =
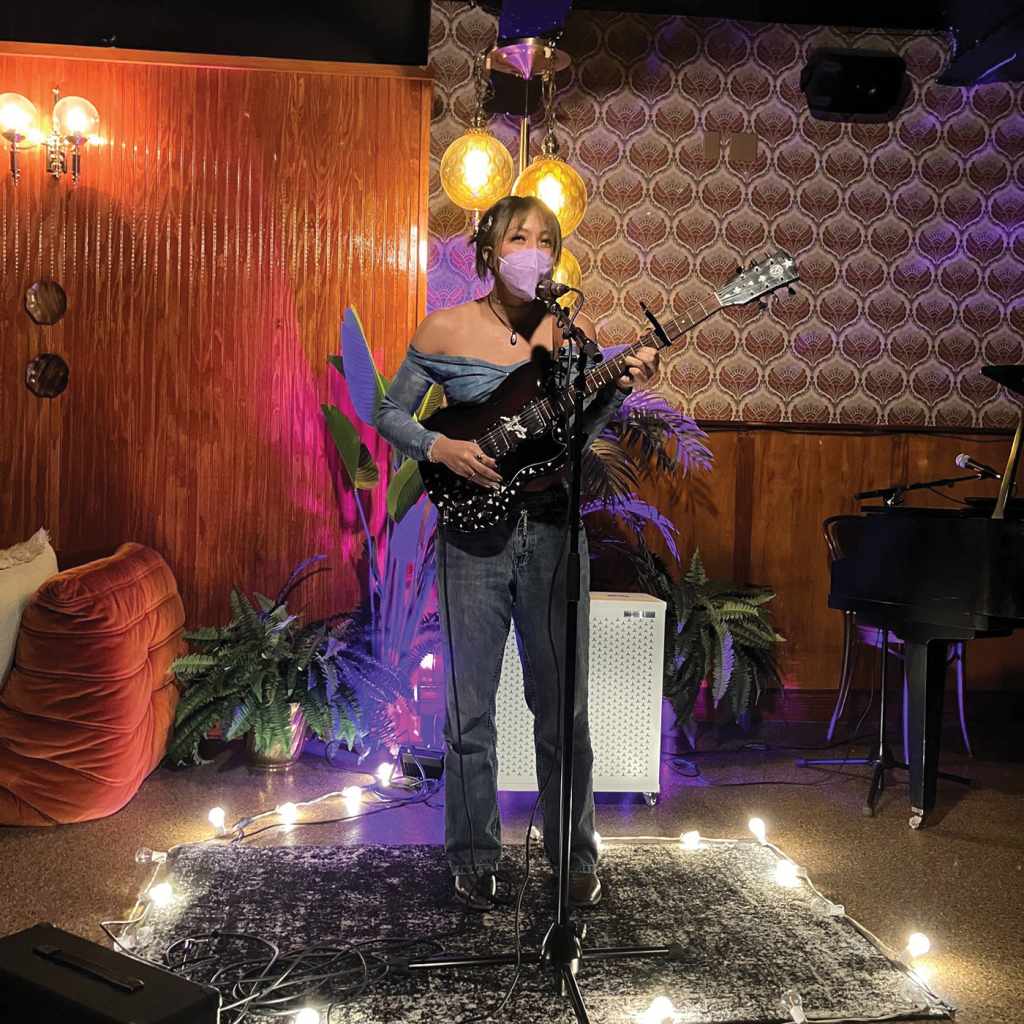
<point x="562" y="946"/>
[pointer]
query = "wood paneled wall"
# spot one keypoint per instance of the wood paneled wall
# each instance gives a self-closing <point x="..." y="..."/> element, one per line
<point x="757" y="516"/>
<point x="207" y="254"/>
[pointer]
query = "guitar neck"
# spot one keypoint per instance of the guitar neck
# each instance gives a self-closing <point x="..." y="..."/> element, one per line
<point x="612" y="369"/>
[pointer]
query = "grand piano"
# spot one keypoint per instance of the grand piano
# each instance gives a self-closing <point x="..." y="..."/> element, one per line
<point x="932" y="576"/>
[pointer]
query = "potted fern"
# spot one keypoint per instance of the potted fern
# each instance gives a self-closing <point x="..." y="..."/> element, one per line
<point x="269" y="678"/>
<point x="716" y="631"/>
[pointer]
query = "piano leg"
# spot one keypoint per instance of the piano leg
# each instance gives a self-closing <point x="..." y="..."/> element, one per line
<point x="926" y="662"/>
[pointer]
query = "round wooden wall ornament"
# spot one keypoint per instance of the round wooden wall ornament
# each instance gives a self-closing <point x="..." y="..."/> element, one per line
<point x="46" y="376"/>
<point x="46" y="302"/>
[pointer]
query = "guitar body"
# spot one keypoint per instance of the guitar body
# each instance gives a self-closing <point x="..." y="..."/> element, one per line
<point x="540" y="449"/>
<point x="522" y="424"/>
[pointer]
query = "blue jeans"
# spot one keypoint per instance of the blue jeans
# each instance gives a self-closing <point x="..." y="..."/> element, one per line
<point x="505" y="574"/>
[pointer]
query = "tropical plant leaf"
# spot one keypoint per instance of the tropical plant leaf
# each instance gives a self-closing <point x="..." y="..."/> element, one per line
<point x="366" y="387"/>
<point x="404" y="490"/>
<point x="637" y="514"/>
<point x="346" y="440"/>
<point x="432" y="401"/>
<point x="367" y="475"/>
<point x="609" y="472"/>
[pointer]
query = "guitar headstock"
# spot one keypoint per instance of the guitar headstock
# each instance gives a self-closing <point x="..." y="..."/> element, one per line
<point x="774" y="271"/>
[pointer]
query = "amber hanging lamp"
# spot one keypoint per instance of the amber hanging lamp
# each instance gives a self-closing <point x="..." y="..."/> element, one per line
<point x="477" y="168"/>
<point x="550" y="178"/>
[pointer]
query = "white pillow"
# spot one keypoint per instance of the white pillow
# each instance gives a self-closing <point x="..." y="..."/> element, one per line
<point x="23" y="570"/>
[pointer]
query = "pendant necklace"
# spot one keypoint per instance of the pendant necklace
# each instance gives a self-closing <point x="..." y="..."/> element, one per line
<point x="514" y="335"/>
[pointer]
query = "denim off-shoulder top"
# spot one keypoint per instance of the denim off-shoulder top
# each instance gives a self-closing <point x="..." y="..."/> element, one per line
<point x="464" y="379"/>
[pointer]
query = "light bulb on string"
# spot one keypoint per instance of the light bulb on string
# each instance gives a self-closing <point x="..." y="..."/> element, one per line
<point x="759" y="830"/>
<point x="353" y="797"/>
<point x="787" y="874"/>
<point x="918" y="945"/>
<point x="792" y="1002"/>
<point x="307" y="1015"/>
<point x="288" y="813"/>
<point x="661" y="1011"/>
<point x="144" y="855"/>
<point x="384" y="773"/>
<point x="161" y="894"/>
<point x="690" y="840"/>
<point x="217" y="818"/>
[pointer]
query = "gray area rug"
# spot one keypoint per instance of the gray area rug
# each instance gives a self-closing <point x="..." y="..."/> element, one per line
<point x="745" y="938"/>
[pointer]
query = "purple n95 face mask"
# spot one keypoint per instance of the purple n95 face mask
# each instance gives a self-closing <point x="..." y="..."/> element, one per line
<point x="521" y="271"/>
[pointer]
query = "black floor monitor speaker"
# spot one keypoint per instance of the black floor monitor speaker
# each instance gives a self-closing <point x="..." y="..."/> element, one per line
<point x="49" y="975"/>
<point x="854" y="85"/>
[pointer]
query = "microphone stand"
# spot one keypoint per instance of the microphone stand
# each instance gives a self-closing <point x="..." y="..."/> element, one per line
<point x="562" y="945"/>
<point x="893" y="496"/>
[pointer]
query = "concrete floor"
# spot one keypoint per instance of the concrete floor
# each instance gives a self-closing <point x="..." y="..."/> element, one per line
<point x="960" y="880"/>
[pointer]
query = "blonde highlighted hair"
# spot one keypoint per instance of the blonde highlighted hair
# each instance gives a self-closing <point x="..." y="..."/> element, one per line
<point x="496" y="222"/>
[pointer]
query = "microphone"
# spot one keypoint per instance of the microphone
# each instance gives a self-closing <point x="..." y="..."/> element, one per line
<point x="964" y="461"/>
<point x="548" y="290"/>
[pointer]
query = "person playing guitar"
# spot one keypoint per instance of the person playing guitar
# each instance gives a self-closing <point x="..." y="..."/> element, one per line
<point x="513" y="570"/>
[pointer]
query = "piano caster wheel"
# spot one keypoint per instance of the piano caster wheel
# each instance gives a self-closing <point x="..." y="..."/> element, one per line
<point x="917" y="818"/>
<point x="650" y="799"/>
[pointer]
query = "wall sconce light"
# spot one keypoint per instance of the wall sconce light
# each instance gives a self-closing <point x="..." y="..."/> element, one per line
<point x="75" y="122"/>
<point x="18" y="117"/>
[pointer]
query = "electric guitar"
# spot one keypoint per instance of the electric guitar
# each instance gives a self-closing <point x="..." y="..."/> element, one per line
<point x="522" y="423"/>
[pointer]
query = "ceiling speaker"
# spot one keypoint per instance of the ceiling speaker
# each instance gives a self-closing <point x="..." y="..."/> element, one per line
<point x="854" y="85"/>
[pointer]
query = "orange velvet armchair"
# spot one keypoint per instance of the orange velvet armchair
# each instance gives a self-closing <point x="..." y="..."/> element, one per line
<point x="86" y="712"/>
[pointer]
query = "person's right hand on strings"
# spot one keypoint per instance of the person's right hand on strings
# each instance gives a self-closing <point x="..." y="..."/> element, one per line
<point x="466" y="459"/>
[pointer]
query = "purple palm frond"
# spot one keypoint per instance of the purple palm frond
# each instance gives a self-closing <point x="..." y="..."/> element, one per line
<point x="654" y="423"/>
<point x="366" y="386"/>
<point x="636" y="513"/>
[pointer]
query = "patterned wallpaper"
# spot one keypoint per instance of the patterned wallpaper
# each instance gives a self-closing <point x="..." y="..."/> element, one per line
<point x="909" y="236"/>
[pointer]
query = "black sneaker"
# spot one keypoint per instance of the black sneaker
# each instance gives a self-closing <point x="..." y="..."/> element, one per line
<point x="584" y="889"/>
<point x="476" y="891"/>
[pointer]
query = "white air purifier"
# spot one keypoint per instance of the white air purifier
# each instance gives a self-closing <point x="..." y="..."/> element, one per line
<point x="627" y="643"/>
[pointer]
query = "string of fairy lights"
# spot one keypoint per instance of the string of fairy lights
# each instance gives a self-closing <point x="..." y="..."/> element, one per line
<point x="271" y="984"/>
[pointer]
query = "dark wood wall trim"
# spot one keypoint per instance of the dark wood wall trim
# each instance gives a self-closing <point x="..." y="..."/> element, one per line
<point x="212" y="60"/>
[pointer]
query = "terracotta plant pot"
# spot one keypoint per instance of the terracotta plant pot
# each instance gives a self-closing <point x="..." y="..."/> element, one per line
<point x="280" y="756"/>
